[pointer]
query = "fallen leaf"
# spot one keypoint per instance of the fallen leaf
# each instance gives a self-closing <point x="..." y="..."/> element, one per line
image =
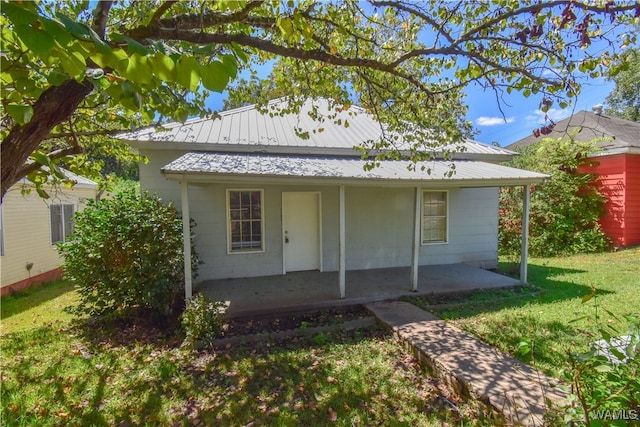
<point x="333" y="415"/>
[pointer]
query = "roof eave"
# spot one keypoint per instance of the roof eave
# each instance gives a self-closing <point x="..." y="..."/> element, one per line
<point x="210" y="177"/>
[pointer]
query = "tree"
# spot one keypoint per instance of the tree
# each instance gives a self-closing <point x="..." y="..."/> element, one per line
<point x="252" y="91"/>
<point x="70" y="74"/>
<point x="564" y="210"/>
<point x="624" y="100"/>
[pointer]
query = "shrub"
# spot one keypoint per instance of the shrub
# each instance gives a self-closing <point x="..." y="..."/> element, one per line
<point x="202" y="320"/>
<point x="564" y="210"/>
<point x="125" y="253"/>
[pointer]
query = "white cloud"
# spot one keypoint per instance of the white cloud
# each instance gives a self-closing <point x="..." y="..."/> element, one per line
<point x="555" y="114"/>
<point x="493" y="121"/>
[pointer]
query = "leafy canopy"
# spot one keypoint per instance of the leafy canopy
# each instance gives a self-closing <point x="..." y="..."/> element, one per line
<point x="74" y="77"/>
<point x="564" y="210"/>
<point x="624" y="100"/>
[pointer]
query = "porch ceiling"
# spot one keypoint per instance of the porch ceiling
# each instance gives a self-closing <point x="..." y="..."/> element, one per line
<point x="308" y="290"/>
<point x="218" y="166"/>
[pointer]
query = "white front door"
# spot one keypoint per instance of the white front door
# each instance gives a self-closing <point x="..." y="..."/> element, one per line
<point x="301" y="228"/>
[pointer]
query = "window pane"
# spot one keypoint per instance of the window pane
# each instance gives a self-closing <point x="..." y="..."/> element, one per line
<point x="234" y="200"/>
<point x="56" y="223"/>
<point x="434" y="220"/>
<point x="245" y="217"/>
<point x="68" y="220"/>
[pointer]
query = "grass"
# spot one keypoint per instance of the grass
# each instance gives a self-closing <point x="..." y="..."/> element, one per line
<point x="36" y="307"/>
<point x="545" y="318"/>
<point x="55" y="371"/>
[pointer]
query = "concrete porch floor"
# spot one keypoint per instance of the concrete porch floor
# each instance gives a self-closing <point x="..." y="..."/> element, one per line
<point x="308" y="290"/>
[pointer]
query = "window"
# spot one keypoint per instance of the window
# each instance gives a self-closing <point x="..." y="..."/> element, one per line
<point x="434" y="217"/>
<point x="245" y="220"/>
<point x="61" y="222"/>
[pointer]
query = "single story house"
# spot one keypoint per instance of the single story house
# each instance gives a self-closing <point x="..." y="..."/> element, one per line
<point x="616" y="164"/>
<point x="267" y="201"/>
<point x="30" y="226"/>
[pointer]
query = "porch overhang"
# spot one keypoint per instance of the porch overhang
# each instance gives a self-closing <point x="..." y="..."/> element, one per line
<point x="353" y="171"/>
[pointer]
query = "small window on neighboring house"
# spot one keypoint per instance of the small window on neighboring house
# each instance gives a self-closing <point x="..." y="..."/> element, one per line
<point x="434" y="217"/>
<point x="61" y="222"/>
<point x="245" y="224"/>
<point x="1" y="231"/>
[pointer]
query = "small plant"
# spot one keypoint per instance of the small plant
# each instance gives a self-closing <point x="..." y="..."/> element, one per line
<point x="604" y="380"/>
<point x="202" y="320"/>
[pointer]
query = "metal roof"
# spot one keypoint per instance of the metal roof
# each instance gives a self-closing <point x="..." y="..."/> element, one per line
<point x="208" y="166"/>
<point x="624" y="134"/>
<point x="248" y="129"/>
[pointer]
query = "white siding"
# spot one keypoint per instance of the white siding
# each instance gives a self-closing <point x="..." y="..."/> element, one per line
<point x="27" y="231"/>
<point x="379" y="229"/>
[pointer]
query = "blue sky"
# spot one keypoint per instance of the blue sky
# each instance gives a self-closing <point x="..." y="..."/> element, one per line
<point x="523" y="114"/>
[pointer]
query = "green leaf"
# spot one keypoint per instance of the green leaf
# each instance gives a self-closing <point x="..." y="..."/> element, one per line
<point x="187" y="73"/>
<point x="18" y="13"/>
<point x="22" y="114"/>
<point x="163" y="67"/>
<point x="72" y="26"/>
<point x="40" y="157"/>
<point x="603" y="369"/>
<point x="101" y="46"/>
<point x="215" y="76"/>
<point x="73" y="63"/>
<point x="577" y="319"/>
<point x="133" y="46"/>
<point x="138" y="69"/>
<point x="57" y="31"/>
<point x="231" y="64"/>
<point x="37" y="40"/>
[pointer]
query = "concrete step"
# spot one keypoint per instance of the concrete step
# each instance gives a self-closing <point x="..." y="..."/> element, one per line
<point x="474" y="368"/>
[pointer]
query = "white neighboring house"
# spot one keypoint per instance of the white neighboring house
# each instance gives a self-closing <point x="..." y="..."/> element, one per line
<point x="268" y="202"/>
<point x="31" y="225"/>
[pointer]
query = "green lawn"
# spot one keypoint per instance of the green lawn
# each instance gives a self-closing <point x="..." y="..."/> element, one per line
<point x="542" y="316"/>
<point x="57" y="372"/>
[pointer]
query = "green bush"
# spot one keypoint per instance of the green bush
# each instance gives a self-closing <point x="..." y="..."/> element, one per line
<point x="564" y="210"/>
<point x="125" y="254"/>
<point x="202" y="320"/>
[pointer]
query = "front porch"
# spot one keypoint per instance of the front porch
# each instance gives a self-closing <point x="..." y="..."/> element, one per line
<point x="300" y="291"/>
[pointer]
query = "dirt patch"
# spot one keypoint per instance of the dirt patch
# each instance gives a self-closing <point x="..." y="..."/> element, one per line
<point x="267" y="324"/>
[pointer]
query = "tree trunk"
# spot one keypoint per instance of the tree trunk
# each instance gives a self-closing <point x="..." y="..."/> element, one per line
<point x="54" y="106"/>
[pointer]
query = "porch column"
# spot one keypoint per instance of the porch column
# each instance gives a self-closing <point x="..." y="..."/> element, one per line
<point x="342" y="244"/>
<point x="415" y="260"/>
<point x="186" y="239"/>
<point x="524" y="250"/>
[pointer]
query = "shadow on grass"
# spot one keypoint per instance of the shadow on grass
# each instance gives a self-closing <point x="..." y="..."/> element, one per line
<point x="290" y="383"/>
<point x="27" y="299"/>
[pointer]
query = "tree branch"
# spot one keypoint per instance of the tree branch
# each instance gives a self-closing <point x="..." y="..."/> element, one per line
<point x="34" y="166"/>
<point x="100" y="16"/>
<point x="161" y="11"/>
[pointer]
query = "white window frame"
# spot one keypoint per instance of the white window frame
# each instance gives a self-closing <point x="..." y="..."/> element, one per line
<point x="422" y="218"/>
<point x="64" y="233"/>
<point x="230" y="249"/>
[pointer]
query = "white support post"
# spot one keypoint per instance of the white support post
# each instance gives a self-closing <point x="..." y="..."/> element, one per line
<point x="186" y="240"/>
<point x="416" y="242"/>
<point x="524" y="250"/>
<point x="342" y="244"/>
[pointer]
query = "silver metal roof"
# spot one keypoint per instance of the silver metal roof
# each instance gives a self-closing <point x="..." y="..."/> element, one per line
<point x="247" y="129"/>
<point x="208" y="166"/>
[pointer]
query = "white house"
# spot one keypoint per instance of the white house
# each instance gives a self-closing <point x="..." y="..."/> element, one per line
<point x="268" y="202"/>
<point x="30" y="226"/>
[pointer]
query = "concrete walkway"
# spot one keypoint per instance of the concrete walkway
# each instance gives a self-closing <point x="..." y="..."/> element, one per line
<point x="471" y="366"/>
